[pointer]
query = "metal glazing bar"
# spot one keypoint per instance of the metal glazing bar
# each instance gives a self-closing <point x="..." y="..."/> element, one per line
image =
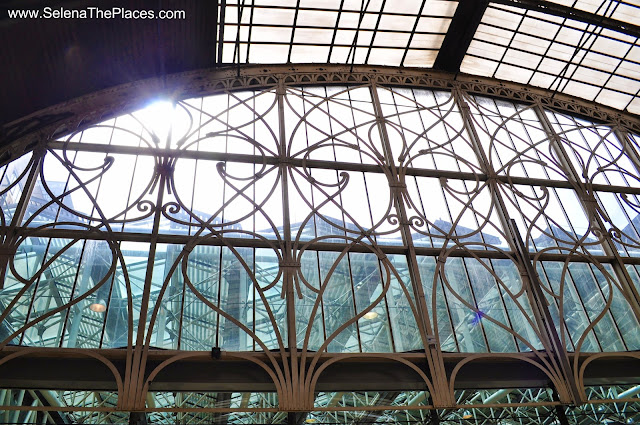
<point x="331" y="165"/>
<point x="566" y="62"/>
<point x="346" y="10"/>
<point x="311" y="246"/>
<point x="413" y="33"/>
<point x="221" y="23"/>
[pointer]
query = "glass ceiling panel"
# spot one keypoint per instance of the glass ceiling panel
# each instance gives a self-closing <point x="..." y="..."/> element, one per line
<point x="373" y="32"/>
<point x="557" y="54"/>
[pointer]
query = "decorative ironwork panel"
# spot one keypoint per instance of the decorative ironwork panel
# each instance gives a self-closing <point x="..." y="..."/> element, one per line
<point x="426" y="130"/>
<point x="595" y="151"/>
<point x="297" y="228"/>
<point x="514" y="139"/>
<point x="479" y="305"/>
<point x="594" y="314"/>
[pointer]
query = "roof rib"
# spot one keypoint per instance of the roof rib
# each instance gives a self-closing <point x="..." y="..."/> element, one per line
<point x="463" y="26"/>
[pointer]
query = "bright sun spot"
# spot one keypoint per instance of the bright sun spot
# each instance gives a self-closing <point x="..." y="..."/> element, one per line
<point x="157" y="117"/>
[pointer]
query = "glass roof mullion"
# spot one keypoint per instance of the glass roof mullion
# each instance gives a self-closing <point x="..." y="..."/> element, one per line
<point x="320" y="27"/>
<point x="633" y="98"/>
<point x="294" y="25"/>
<point x="592" y="37"/>
<point x="236" y="49"/>
<point x="597" y="20"/>
<point x="591" y="83"/>
<point x="325" y="9"/>
<point x="544" y="37"/>
<point x="335" y="31"/>
<point x="375" y="31"/>
<point x="251" y="25"/>
<point x="552" y="41"/>
<point x="613" y="73"/>
<point x="413" y="32"/>
<point x="508" y="46"/>
<point x="352" y="48"/>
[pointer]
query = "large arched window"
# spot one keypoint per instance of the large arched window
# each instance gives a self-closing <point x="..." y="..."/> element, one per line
<point x="293" y="224"/>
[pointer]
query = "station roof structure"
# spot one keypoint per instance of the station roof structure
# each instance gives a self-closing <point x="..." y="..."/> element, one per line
<point x="350" y="211"/>
<point x="583" y="48"/>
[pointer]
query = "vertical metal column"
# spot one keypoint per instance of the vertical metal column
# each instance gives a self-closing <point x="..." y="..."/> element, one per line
<point x="133" y="399"/>
<point x="292" y="373"/>
<point x="433" y="354"/>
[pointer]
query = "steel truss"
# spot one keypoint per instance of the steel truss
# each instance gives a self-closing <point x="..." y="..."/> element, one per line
<point x="290" y="351"/>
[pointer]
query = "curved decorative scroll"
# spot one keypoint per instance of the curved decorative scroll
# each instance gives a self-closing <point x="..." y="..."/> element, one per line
<point x="112" y="368"/>
<point x="593" y="358"/>
<point x="79" y="188"/>
<point x="426" y="130"/>
<point x="332" y="124"/>
<point x="595" y="151"/>
<point x="11" y="186"/>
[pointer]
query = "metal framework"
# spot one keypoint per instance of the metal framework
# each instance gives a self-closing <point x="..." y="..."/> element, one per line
<point x="367" y="246"/>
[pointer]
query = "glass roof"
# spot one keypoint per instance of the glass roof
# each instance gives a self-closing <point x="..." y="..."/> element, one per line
<point x="376" y="32"/>
<point x="511" y="43"/>
<point x="557" y="54"/>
